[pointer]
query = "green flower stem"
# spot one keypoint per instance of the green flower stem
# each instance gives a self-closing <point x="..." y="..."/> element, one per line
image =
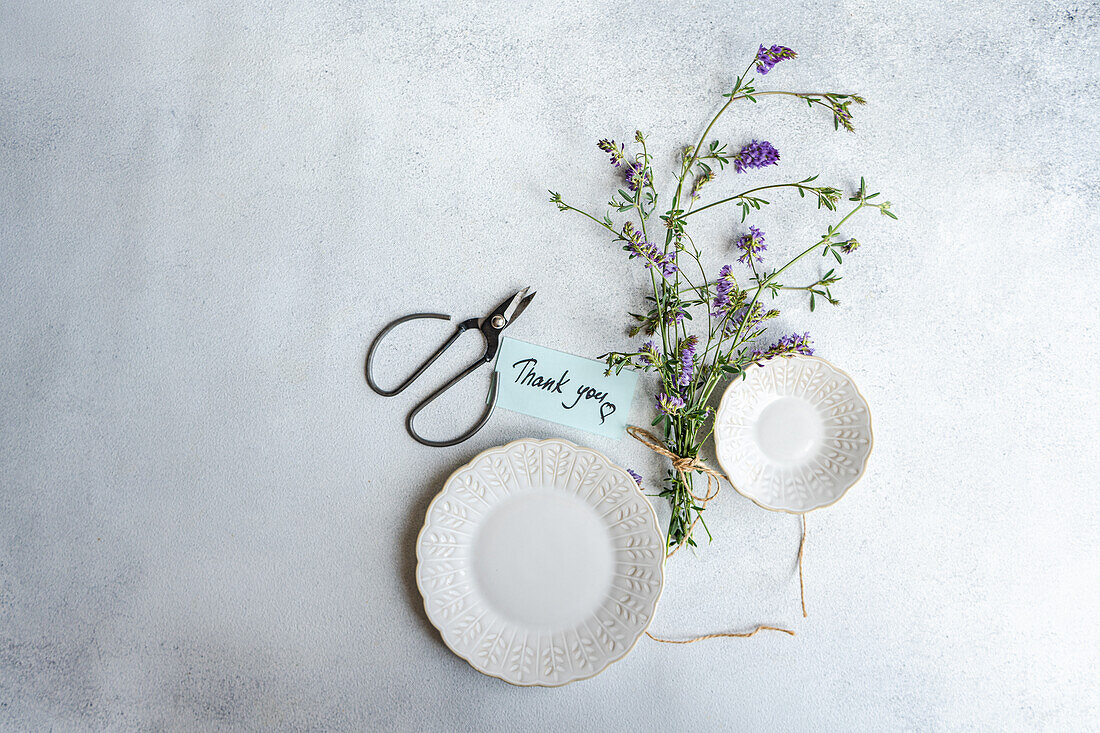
<point x="691" y="287"/>
<point x="704" y="296"/>
<point x="802" y="95"/>
<point x="812" y="97"/>
<point x="743" y="194"/>
<point x="703" y="137"/>
<point x="760" y="285"/>
<point x="645" y="235"/>
<point x="638" y="204"/>
<point x="566" y="207"/>
<point x="755" y="274"/>
<point x="652" y="176"/>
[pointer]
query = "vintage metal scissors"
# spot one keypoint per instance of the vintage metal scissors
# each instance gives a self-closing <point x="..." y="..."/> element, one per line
<point x="490" y="327"/>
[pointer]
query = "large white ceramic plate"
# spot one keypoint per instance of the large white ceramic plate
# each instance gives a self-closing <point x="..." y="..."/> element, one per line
<point x="794" y="435"/>
<point x="540" y="562"/>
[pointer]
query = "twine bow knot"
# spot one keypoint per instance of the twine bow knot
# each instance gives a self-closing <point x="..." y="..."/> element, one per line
<point x="683" y="465"/>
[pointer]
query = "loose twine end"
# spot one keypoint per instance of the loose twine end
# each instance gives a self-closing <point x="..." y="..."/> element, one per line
<point x="744" y="635"/>
<point x="801" y="549"/>
<point x="684" y="466"/>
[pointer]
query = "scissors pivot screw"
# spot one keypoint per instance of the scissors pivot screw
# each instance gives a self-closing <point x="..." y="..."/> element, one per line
<point x="499" y="321"/>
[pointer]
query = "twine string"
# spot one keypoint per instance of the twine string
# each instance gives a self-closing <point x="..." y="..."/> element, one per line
<point x="684" y="466"/>
<point x="744" y="635"/>
<point x="801" y="549"/>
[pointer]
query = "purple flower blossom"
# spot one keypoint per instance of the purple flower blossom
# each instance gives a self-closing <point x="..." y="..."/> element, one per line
<point x="638" y="247"/>
<point x="637" y="478"/>
<point x="675" y="316"/>
<point x="637" y="176"/>
<point x="669" y="405"/>
<point x="722" y="289"/>
<point x="649" y="356"/>
<point x="848" y="246"/>
<point x="701" y="180"/>
<point x="755" y="154"/>
<point x="766" y="58"/>
<point x="786" y="346"/>
<point x="751" y="245"/>
<point x="668" y="269"/>
<point x="630" y="233"/>
<point x="687" y="360"/>
<point x="615" y="151"/>
<point x="653" y="257"/>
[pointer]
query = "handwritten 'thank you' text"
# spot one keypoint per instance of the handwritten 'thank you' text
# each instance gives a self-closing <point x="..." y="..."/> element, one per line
<point x="527" y="376"/>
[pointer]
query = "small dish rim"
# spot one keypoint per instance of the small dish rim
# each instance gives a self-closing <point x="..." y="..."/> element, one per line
<point x="870" y="436"/>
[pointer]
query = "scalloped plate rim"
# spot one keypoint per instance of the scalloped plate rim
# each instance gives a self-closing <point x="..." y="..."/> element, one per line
<point x="419" y="560"/>
<point x="866" y="458"/>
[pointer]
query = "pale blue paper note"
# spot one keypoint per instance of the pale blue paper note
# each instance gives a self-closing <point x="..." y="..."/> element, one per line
<point x="563" y="388"/>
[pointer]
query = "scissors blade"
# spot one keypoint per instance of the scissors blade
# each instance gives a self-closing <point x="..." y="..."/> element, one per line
<point x="510" y="309"/>
<point x="520" y="306"/>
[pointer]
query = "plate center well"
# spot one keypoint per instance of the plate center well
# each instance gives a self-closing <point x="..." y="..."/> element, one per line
<point x="543" y="558"/>
<point x="788" y="429"/>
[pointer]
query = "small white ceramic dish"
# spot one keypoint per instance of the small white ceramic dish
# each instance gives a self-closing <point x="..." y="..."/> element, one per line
<point x="794" y="435"/>
<point x="540" y="562"/>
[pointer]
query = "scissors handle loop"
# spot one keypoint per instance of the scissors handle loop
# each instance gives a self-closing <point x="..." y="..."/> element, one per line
<point x="490" y="352"/>
<point x="491" y="400"/>
<point x="420" y="370"/>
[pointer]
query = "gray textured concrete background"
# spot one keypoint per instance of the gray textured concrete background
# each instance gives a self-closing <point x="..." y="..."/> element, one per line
<point x="207" y="209"/>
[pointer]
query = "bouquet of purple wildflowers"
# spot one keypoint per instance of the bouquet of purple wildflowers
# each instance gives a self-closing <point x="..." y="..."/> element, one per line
<point x="688" y="368"/>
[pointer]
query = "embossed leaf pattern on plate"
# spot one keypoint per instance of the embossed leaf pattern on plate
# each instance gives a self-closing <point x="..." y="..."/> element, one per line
<point x="498" y="646"/>
<point x="823" y="477"/>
